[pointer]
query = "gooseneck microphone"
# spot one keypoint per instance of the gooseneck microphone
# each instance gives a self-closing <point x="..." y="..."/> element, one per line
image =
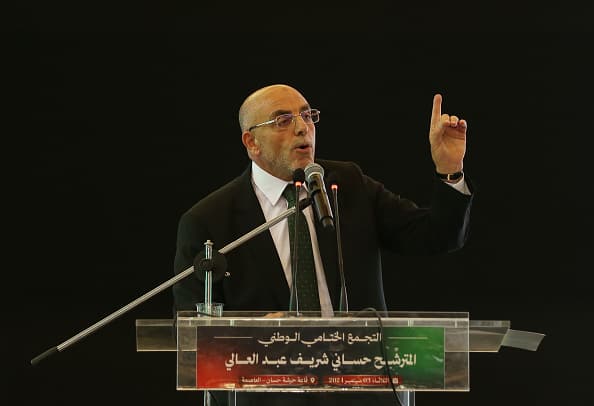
<point x="298" y="179"/>
<point x="344" y="301"/>
<point x="314" y="174"/>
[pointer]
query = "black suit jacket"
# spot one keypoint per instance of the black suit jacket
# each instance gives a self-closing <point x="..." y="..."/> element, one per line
<point x="372" y="219"/>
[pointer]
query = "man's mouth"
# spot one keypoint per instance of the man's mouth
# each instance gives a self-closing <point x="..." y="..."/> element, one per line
<point x="303" y="147"/>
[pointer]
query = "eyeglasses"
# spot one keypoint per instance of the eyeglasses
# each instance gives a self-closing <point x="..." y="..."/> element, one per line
<point x="285" y="120"/>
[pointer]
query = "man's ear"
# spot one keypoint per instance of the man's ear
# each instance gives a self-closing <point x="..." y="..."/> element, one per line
<point x="249" y="141"/>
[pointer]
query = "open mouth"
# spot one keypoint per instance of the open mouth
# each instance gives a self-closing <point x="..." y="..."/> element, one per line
<point x="303" y="147"/>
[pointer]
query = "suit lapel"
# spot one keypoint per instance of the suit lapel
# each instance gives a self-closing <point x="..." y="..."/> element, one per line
<point x="263" y="258"/>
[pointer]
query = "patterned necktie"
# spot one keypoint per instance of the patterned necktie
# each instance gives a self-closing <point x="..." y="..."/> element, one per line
<point x="307" y="285"/>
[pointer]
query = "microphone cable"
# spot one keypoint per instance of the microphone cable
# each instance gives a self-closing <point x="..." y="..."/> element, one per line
<point x="383" y="350"/>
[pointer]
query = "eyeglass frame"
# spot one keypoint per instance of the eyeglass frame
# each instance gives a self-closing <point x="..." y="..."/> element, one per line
<point x="293" y="116"/>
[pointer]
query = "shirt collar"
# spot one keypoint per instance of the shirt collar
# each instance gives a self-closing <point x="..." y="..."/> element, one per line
<point x="271" y="186"/>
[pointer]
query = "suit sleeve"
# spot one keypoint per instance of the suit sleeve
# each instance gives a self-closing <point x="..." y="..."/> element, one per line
<point x="408" y="229"/>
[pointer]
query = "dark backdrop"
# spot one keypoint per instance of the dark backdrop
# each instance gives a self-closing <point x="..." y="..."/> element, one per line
<point x="132" y="117"/>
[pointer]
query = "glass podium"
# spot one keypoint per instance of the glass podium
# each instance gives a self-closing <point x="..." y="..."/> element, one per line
<point x="366" y="351"/>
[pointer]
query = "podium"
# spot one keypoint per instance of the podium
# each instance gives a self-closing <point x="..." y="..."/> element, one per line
<point x="366" y="351"/>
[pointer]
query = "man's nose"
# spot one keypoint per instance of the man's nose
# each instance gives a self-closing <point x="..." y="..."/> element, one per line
<point x="301" y="127"/>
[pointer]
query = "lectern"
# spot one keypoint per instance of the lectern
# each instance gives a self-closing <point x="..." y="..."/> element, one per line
<point x="400" y="352"/>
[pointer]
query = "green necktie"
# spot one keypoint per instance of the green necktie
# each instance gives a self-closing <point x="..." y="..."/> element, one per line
<point x="307" y="285"/>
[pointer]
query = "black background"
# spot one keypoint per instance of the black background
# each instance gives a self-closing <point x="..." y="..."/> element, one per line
<point x="131" y="117"/>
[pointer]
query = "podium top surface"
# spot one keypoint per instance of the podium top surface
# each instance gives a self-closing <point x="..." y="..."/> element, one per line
<point x="360" y="318"/>
<point x="483" y="335"/>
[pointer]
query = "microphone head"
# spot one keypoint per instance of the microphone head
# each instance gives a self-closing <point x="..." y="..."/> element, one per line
<point x="312" y="168"/>
<point x="332" y="179"/>
<point x="298" y="175"/>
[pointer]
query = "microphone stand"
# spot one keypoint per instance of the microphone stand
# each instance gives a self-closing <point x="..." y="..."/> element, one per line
<point x="208" y="277"/>
<point x="227" y="248"/>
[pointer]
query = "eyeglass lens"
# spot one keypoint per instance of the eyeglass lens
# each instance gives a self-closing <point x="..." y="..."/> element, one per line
<point x="309" y="116"/>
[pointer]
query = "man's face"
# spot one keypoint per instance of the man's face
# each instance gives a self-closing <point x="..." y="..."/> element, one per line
<point x="280" y="151"/>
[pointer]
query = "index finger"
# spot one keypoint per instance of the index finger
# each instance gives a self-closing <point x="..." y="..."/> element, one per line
<point x="436" y="111"/>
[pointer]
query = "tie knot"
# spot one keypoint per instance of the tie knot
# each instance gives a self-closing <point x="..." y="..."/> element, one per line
<point x="289" y="194"/>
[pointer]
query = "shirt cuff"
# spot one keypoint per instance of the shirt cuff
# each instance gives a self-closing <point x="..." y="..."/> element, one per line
<point x="460" y="186"/>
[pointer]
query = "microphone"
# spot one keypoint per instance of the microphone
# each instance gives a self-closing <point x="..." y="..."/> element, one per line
<point x="298" y="179"/>
<point x="344" y="301"/>
<point x="315" y="182"/>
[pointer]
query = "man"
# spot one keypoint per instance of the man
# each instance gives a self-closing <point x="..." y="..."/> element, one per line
<point x="279" y="134"/>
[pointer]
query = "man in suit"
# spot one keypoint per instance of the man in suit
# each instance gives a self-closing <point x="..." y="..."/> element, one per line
<point x="279" y="133"/>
